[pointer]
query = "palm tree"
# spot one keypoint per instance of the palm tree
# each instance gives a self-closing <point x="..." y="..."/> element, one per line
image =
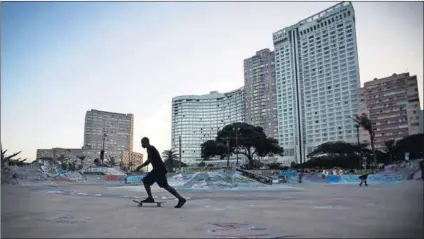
<point x="96" y="162"/>
<point x="389" y="148"/>
<point x="81" y="157"/>
<point x="62" y="158"/>
<point x="366" y="124"/>
<point x="111" y="161"/>
<point x="130" y="165"/>
<point x="17" y="162"/>
<point x="6" y="159"/>
<point x="171" y="158"/>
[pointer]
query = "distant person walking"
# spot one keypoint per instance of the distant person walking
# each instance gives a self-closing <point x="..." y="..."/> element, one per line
<point x="363" y="179"/>
<point x="300" y="176"/>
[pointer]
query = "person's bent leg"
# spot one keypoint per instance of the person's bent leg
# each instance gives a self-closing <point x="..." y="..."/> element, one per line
<point x="163" y="183"/>
<point x="148" y="190"/>
<point x="181" y="200"/>
<point x="172" y="191"/>
<point x="147" y="182"/>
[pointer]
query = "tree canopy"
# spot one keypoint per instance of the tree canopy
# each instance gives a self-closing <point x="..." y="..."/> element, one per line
<point x="344" y="155"/>
<point x="10" y="160"/>
<point x="212" y="148"/>
<point x="413" y="144"/>
<point x="111" y="161"/>
<point x="335" y="148"/>
<point x="242" y="138"/>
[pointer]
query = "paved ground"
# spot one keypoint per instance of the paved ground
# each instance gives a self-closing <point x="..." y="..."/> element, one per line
<point x="320" y="210"/>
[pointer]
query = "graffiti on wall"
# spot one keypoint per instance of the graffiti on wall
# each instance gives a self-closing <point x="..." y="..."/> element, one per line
<point x="133" y="179"/>
<point x="114" y="177"/>
<point x="96" y="170"/>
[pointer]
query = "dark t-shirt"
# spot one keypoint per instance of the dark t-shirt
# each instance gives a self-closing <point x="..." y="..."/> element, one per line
<point x="156" y="160"/>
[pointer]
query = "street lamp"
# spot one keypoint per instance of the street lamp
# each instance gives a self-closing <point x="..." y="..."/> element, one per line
<point x="228" y="151"/>
<point x="102" y="153"/>
<point x="357" y="131"/>
<point x="236" y="130"/>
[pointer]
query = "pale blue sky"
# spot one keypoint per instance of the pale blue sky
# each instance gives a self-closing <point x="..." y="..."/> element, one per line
<point x="59" y="59"/>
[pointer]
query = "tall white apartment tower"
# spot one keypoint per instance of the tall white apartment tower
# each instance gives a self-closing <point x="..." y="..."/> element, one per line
<point x="317" y="78"/>
<point x="198" y="118"/>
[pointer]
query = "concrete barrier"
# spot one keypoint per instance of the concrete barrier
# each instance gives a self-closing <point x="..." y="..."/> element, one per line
<point x="292" y="177"/>
<point x="114" y="177"/>
<point x="134" y="179"/>
<point x="333" y="178"/>
<point x="387" y="178"/>
<point x="288" y="173"/>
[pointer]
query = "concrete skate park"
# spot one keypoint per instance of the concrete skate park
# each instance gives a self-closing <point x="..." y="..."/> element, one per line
<point x="97" y="208"/>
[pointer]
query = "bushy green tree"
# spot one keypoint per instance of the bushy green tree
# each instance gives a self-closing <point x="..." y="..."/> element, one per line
<point x="250" y="141"/>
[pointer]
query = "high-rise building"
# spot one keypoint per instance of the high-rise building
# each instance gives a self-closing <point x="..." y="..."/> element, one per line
<point x="260" y="93"/>
<point x="198" y="118"/>
<point x="393" y="106"/>
<point x="422" y="122"/>
<point x="115" y="130"/>
<point x="132" y="159"/>
<point x="70" y="153"/>
<point x="317" y="77"/>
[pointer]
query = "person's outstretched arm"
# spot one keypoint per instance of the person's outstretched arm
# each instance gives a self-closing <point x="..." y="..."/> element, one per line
<point x="143" y="165"/>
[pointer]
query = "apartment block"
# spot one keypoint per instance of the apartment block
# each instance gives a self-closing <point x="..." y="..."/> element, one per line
<point x="132" y="159"/>
<point x="392" y="103"/>
<point x="71" y="153"/>
<point x="317" y="81"/>
<point x="198" y="118"/>
<point x="114" y="130"/>
<point x="260" y="94"/>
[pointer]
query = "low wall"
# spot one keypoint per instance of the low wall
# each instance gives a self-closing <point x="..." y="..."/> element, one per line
<point x="134" y="179"/>
<point x="115" y="177"/>
<point x="69" y="176"/>
<point x="100" y="170"/>
<point x="292" y="177"/>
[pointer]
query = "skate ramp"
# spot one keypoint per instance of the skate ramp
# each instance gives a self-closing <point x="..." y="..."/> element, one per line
<point x="25" y="175"/>
<point x="255" y="176"/>
<point x="114" y="171"/>
<point x="105" y="171"/>
<point x="44" y="173"/>
<point x="418" y="175"/>
<point x="213" y="180"/>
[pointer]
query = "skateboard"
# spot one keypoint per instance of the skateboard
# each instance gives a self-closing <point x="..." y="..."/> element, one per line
<point x="158" y="203"/>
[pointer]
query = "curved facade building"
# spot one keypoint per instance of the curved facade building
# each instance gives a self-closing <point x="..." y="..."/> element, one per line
<point x="198" y="118"/>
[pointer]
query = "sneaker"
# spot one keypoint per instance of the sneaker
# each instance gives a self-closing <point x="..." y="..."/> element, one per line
<point x="148" y="199"/>
<point x="180" y="203"/>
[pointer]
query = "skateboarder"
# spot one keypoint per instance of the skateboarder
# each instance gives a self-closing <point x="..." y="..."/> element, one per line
<point x="157" y="175"/>
<point x="363" y="179"/>
<point x="300" y="176"/>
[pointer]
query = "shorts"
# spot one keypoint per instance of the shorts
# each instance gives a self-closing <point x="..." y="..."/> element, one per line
<point x="156" y="177"/>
